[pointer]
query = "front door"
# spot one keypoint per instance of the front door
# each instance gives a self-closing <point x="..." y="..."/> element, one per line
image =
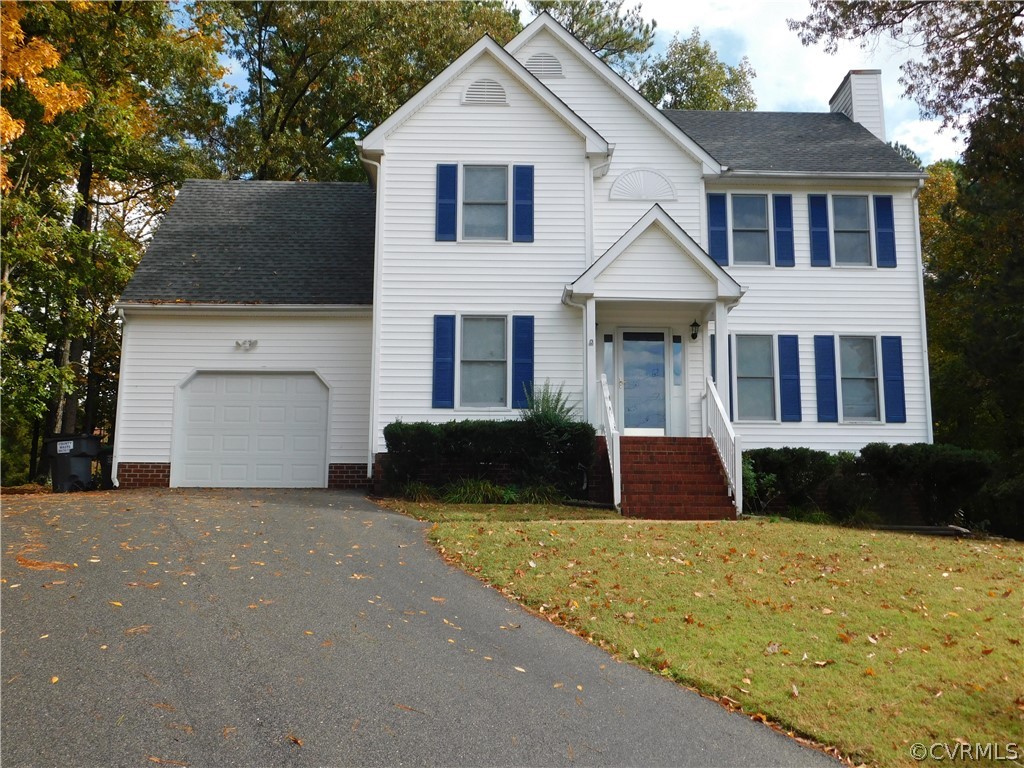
<point x="643" y="383"/>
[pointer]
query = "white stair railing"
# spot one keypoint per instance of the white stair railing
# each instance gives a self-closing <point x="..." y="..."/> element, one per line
<point x="726" y="441"/>
<point x="611" y="436"/>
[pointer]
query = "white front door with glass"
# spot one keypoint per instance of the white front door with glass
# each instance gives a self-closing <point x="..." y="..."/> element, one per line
<point x="643" y="385"/>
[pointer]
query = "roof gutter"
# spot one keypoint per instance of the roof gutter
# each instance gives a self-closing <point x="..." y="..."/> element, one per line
<point x="177" y="306"/>
<point x="825" y="175"/>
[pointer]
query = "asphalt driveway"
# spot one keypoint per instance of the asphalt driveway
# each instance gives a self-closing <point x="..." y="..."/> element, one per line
<point x="306" y="628"/>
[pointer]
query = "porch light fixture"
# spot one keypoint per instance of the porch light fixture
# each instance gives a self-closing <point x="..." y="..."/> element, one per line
<point x="694" y="330"/>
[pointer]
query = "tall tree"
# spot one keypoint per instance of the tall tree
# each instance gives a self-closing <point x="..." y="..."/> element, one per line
<point x="320" y="75"/>
<point x="619" y="37"/>
<point x="960" y="43"/>
<point x="689" y="75"/>
<point x="148" y="71"/>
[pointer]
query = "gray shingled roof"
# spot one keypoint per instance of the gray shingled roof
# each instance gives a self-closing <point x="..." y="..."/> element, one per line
<point x="261" y="242"/>
<point x="789" y="142"/>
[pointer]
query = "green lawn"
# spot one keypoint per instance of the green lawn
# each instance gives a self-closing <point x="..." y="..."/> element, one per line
<point x="865" y="641"/>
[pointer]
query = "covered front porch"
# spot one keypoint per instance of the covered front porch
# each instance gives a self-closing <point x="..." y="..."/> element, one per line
<point x="649" y="303"/>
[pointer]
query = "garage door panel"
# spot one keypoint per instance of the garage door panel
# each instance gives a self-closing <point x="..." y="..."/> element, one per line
<point x="252" y="430"/>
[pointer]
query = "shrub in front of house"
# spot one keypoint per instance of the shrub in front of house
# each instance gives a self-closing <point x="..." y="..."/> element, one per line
<point x="532" y="454"/>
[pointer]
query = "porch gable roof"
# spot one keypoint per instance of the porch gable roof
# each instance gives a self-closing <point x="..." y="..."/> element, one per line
<point x="717" y="284"/>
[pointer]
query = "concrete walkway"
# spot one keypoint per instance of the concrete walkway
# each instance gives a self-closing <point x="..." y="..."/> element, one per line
<point x="307" y="628"/>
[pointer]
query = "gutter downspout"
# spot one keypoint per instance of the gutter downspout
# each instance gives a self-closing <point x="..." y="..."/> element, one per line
<point x="375" y="334"/>
<point x="924" y="320"/>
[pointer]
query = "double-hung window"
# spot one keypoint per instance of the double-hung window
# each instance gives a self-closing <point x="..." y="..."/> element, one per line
<point x="859" y="373"/>
<point x="755" y="378"/>
<point x="483" y="362"/>
<point x="852" y="229"/>
<point x="485" y="202"/>
<point x="750" y="229"/>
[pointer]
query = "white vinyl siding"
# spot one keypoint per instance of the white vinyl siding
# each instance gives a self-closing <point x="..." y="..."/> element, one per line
<point x="808" y="301"/>
<point x="162" y="350"/>
<point x="419" y="278"/>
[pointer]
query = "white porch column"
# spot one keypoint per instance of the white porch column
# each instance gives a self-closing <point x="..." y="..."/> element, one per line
<point x="722" y="354"/>
<point x="590" y="388"/>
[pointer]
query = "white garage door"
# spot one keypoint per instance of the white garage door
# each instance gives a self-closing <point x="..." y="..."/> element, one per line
<point x="251" y="430"/>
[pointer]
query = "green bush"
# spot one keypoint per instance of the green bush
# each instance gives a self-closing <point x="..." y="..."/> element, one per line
<point x="798" y="472"/>
<point x="760" y="489"/>
<point x="545" y="447"/>
<point x="477" y="491"/>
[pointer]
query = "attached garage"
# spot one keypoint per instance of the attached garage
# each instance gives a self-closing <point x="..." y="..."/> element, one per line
<point x="251" y="430"/>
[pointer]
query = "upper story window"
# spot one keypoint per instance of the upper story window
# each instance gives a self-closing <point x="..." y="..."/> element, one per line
<point x="484" y="202"/>
<point x="750" y="229"/>
<point x="858" y="230"/>
<point x="852" y="231"/>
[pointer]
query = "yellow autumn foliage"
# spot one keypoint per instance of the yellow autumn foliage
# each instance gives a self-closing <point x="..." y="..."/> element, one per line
<point x="24" y="61"/>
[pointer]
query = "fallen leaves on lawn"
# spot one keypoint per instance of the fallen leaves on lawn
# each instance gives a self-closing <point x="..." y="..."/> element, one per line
<point x="294" y="739"/>
<point x="142" y="629"/>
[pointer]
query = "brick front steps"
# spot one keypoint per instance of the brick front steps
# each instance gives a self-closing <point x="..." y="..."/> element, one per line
<point x="673" y="478"/>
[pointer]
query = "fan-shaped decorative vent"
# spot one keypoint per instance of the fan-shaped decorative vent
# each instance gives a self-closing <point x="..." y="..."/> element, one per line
<point x="485" y="91"/>
<point x="544" y="65"/>
<point x="642" y="184"/>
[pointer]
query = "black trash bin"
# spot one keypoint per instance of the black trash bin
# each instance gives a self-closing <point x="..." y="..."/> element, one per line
<point x="71" y="458"/>
<point x="106" y="459"/>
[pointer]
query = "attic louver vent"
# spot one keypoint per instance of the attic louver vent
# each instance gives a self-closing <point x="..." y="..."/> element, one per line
<point x="642" y="184"/>
<point x="485" y="91"/>
<point x="544" y="65"/>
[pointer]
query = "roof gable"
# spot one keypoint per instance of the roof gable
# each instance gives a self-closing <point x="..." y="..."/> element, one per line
<point x="545" y="23"/>
<point x="374" y="142"/>
<point x="687" y="272"/>
<point x="261" y="242"/>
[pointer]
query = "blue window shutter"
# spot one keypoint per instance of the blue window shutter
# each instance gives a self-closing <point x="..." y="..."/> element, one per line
<point x="718" y="229"/>
<point x="445" y="225"/>
<point x="825" y="375"/>
<point x="892" y="375"/>
<point x="444" y="361"/>
<point x="782" y="208"/>
<point x="885" y="232"/>
<point x="522" y="360"/>
<point x="821" y="252"/>
<point x="522" y="198"/>
<point x="789" y="378"/>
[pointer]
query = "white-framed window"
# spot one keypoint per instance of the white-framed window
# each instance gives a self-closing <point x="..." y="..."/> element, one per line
<point x="858" y="366"/>
<point x="755" y="378"/>
<point x="750" y="240"/>
<point x="851" y="229"/>
<point x="483" y="361"/>
<point x="485" y="209"/>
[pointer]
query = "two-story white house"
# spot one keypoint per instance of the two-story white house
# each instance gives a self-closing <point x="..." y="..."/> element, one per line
<point x="530" y="218"/>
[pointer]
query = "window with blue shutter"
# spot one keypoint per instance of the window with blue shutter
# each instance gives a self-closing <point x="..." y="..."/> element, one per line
<point x="892" y="378"/>
<point x="825" y="378"/>
<point x="522" y="360"/>
<point x="718" y="229"/>
<point x="821" y="252"/>
<point x="782" y="207"/>
<point x="522" y="198"/>
<point x="885" y="232"/>
<point x="444" y="362"/>
<point x="445" y="226"/>
<point x="789" y="378"/>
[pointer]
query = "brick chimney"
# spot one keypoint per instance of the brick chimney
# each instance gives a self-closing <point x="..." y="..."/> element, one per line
<point x="859" y="97"/>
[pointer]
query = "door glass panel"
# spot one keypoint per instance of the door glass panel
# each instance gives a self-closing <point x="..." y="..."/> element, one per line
<point x="643" y="368"/>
